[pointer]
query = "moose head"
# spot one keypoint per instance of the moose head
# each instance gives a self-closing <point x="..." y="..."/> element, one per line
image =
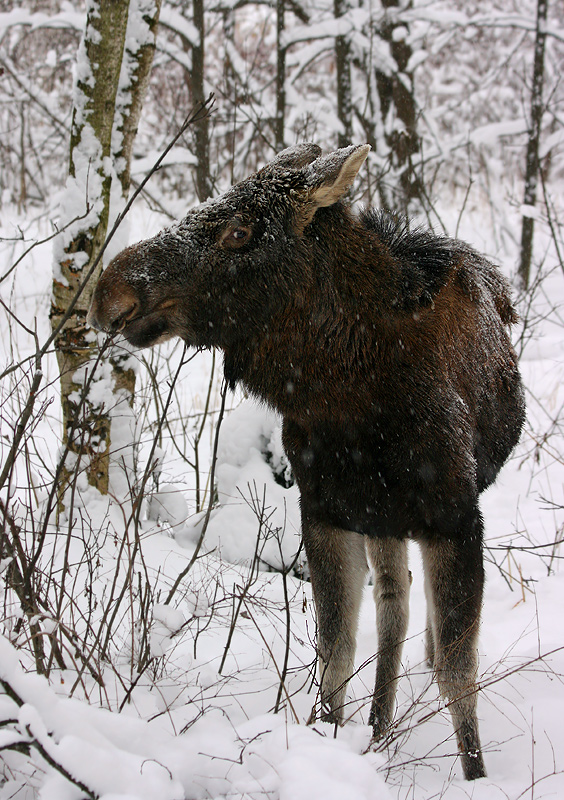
<point x="193" y="280"/>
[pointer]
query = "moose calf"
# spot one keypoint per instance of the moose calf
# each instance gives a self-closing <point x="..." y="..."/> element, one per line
<point x="385" y="351"/>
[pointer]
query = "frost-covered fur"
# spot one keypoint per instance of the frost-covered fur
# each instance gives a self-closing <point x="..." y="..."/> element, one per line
<point x="386" y="352"/>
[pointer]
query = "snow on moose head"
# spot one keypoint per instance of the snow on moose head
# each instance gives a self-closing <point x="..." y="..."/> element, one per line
<point x="193" y="279"/>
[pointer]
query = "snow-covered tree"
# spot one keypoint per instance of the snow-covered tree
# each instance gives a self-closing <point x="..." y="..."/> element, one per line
<point x="533" y="144"/>
<point x="111" y="75"/>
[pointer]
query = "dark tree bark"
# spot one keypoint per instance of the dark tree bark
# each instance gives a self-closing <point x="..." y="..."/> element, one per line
<point x="280" y="76"/>
<point x="532" y="163"/>
<point x="195" y="82"/>
<point x="343" y="69"/>
<point x="396" y="96"/>
<point x="201" y="128"/>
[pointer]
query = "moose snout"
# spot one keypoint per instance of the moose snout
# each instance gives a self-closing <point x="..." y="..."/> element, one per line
<point x="111" y="310"/>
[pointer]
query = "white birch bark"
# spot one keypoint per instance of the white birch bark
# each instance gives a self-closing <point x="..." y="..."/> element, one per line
<point x="112" y="69"/>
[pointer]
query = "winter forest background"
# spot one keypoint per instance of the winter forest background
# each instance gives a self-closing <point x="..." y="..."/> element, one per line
<point x="157" y="629"/>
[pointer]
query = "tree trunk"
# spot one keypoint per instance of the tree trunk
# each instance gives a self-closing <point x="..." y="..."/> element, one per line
<point x="103" y="104"/>
<point x="532" y="163"/>
<point x="397" y="105"/>
<point x="201" y="126"/>
<point x="280" y="76"/>
<point x="138" y="69"/>
<point x="343" y="69"/>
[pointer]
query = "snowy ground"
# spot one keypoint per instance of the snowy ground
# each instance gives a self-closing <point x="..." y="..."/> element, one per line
<point x="187" y="731"/>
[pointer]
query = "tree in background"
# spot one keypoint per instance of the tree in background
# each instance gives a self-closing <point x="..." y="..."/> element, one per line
<point x="398" y="113"/>
<point x="279" y="124"/>
<point x="112" y="73"/>
<point x="385" y="105"/>
<point x="532" y="164"/>
<point x="343" y="69"/>
<point x="186" y="22"/>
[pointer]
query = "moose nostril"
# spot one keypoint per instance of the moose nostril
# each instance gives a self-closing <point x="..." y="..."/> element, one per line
<point x="119" y="323"/>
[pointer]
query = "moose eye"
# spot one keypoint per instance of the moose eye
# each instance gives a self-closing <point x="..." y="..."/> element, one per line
<point x="236" y="236"/>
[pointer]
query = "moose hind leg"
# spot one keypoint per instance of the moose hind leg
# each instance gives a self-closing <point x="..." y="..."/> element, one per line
<point x="338" y="568"/>
<point x="391" y="596"/>
<point x="429" y="633"/>
<point x="455" y="577"/>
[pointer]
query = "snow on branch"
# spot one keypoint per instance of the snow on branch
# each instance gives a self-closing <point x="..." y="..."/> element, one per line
<point x="448" y="17"/>
<point x="73" y="20"/>
<point x="171" y="19"/>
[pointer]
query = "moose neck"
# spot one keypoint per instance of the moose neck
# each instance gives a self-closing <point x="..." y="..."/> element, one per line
<point x="300" y="361"/>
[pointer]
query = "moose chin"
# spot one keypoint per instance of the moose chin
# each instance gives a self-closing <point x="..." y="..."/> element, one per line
<point x="385" y="350"/>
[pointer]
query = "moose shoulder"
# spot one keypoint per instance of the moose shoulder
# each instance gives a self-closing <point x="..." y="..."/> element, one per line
<point x="386" y="352"/>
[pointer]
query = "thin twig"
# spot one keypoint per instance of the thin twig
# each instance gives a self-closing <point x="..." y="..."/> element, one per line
<point x="200" y="542"/>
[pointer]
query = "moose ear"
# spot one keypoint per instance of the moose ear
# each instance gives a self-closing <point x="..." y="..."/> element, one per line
<point x="297" y="156"/>
<point x="332" y="175"/>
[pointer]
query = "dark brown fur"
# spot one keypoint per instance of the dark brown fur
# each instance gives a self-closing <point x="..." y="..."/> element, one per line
<point x="386" y="352"/>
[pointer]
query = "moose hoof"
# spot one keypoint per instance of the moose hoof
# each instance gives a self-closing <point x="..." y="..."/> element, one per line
<point x="325" y="714"/>
<point x="331" y="716"/>
<point x="380" y="727"/>
<point x="473" y="765"/>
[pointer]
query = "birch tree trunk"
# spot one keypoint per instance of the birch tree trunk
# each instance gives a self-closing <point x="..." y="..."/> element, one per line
<point x="532" y="163"/>
<point x="112" y="70"/>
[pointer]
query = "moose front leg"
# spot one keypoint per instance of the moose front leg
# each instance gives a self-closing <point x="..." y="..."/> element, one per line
<point x="455" y="577"/>
<point x="392" y="581"/>
<point x="338" y="568"/>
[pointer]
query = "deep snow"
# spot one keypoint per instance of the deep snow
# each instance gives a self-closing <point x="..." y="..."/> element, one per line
<point x="189" y="732"/>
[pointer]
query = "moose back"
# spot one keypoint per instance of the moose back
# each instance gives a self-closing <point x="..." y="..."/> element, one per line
<point x="386" y="352"/>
